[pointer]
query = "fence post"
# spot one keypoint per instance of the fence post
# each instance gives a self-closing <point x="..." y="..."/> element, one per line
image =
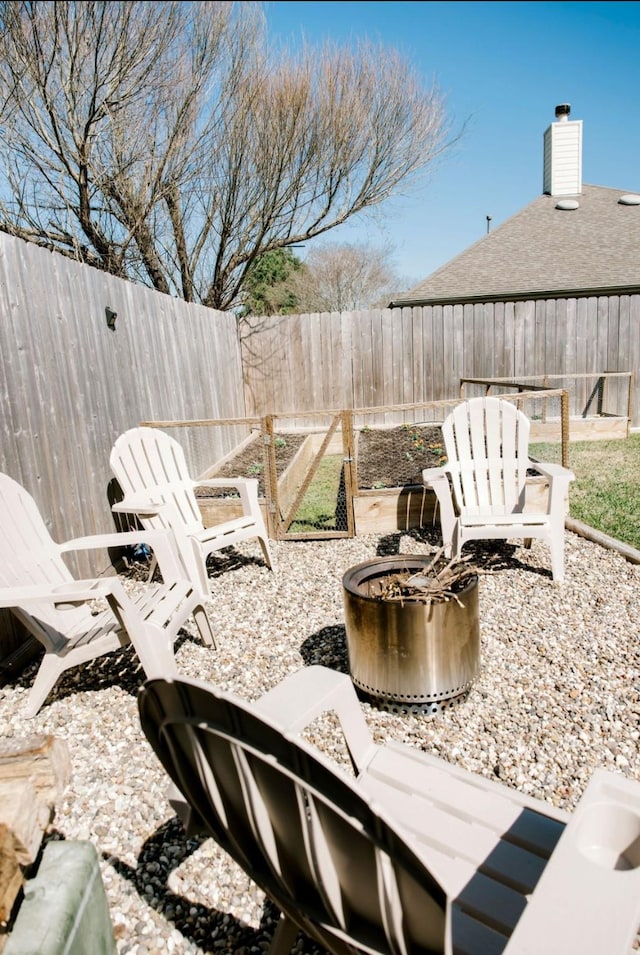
<point x="564" y="427"/>
<point x="270" y="477"/>
<point x="603" y="393"/>
<point x="349" y="465"/>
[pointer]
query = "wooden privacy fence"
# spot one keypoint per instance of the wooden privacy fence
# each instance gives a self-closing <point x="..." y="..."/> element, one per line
<point x="400" y="356"/>
<point x="74" y="378"/>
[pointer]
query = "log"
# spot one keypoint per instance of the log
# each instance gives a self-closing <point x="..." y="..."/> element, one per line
<point x="43" y="759"/>
<point x="34" y="772"/>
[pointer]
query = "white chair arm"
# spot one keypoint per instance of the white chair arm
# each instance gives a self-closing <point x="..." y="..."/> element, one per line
<point x="247" y="488"/>
<point x="431" y="475"/>
<point x="143" y="506"/>
<point x="73" y="591"/>
<point x="226" y="482"/>
<point x="308" y="693"/>
<point x="161" y="542"/>
<point x="438" y="480"/>
<point x="559" y="479"/>
<point x="588" y="897"/>
<point x="555" y="471"/>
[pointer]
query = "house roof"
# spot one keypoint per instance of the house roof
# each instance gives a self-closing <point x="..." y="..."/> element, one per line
<point x="545" y="251"/>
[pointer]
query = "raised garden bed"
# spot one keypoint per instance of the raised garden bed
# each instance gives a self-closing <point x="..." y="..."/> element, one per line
<point x="389" y="462"/>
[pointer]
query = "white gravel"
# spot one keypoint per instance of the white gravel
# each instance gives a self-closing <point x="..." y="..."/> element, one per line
<point x="558" y="695"/>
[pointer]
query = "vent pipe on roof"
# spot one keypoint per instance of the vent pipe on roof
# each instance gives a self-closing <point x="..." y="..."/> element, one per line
<point x="562" y="167"/>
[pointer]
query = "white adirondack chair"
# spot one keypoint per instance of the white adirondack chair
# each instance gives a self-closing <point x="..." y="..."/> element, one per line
<point x="152" y="472"/>
<point x="481" y="488"/>
<point x="38" y="587"/>
<point x="410" y="855"/>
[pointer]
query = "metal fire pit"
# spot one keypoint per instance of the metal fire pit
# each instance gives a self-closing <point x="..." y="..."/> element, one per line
<point x="409" y="656"/>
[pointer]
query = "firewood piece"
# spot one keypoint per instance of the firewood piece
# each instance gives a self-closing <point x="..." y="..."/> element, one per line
<point x="11" y="876"/>
<point x="34" y="772"/>
<point x="24" y="818"/>
<point x="43" y="759"/>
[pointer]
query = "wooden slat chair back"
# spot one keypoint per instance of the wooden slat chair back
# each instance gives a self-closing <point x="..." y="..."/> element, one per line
<point x="335" y="867"/>
<point x="481" y="490"/>
<point x="407" y="855"/>
<point x="37" y="585"/>
<point x="151" y="469"/>
<point x="489" y="466"/>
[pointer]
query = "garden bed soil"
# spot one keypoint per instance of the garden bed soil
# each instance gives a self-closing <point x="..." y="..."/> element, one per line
<point x="395" y="457"/>
<point x="249" y="462"/>
<point x="385" y="457"/>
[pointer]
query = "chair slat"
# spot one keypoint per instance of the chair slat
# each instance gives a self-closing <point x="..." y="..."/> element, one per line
<point x="487" y="446"/>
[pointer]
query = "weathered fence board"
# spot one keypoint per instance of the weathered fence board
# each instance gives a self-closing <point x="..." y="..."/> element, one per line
<point x="402" y="356"/>
<point x="71" y="384"/>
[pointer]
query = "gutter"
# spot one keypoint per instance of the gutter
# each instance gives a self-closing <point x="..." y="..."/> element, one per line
<point x="519" y="296"/>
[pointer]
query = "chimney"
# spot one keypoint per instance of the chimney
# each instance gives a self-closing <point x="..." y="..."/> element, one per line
<point x="562" y="173"/>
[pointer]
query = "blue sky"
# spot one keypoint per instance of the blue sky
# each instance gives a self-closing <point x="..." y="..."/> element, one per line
<point x="502" y="68"/>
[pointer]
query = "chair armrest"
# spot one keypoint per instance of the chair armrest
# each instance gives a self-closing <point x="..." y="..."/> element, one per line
<point x="73" y="591"/>
<point x="226" y="482"/>
<point x="161" y="543"/>
<point x="145" y="506"/>
<point x="247" y="488"/>
<point x="308" y="693"/>
<point x="559" y="479"/>
<point x="555" y="471"/>
<point x="588" y="897"/>
<point x="438" y="480"/>
<point x="431" y="475"/>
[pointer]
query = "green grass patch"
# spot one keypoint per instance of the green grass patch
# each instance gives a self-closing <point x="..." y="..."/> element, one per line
<point x="606" y="492"/>
<point x="320" y="507"/>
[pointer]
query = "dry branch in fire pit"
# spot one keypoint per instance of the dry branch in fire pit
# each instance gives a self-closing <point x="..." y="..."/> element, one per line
<point x="440" y="580"/>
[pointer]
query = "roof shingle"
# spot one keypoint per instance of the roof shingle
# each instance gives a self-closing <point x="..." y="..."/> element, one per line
<point x="543" y="251"/>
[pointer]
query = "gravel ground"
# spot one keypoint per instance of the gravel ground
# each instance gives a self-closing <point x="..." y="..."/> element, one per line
<point x="558" y="695"/>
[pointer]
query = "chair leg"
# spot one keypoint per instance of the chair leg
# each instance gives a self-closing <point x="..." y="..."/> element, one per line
<point x="204" y="627"/>
<point x="47" y="676"/>
<point x="284" y="937"/>
<point x="266" y="551"/>
<point x="556" y="545"/>
<point x="195" y="565"/>
<point x="154" y="647"/>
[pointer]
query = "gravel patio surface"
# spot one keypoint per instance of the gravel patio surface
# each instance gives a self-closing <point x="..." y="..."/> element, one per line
<point x="558" y="695"/>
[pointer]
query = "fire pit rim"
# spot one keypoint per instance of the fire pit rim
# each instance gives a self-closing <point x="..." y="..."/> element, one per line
<point x="355" y="576"/>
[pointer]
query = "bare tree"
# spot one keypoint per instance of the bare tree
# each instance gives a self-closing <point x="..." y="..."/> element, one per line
<point x="343" y="277"/>
<point x="162" y="141"/>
